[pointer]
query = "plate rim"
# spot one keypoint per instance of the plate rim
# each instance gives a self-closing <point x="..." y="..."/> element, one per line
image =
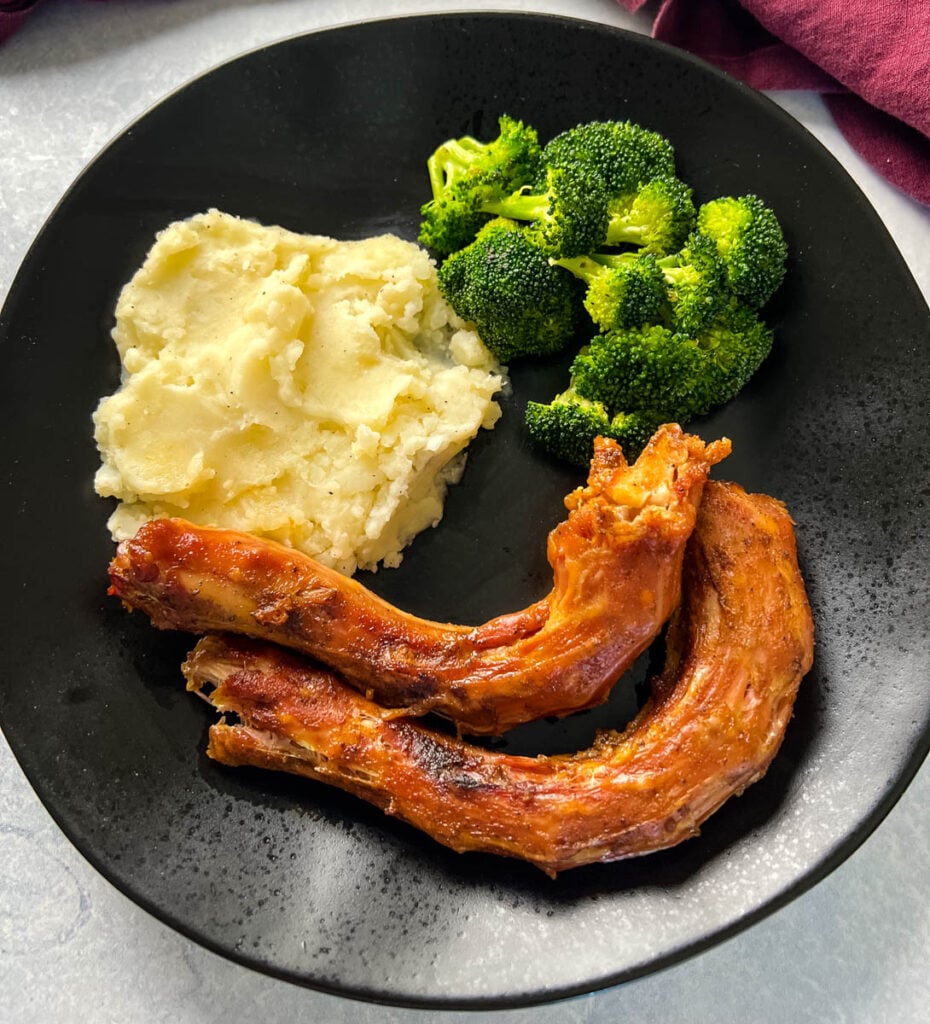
<point x="816" y="872"/>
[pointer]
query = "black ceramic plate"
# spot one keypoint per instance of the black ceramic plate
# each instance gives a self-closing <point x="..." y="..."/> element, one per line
<point x="329" y="133"/>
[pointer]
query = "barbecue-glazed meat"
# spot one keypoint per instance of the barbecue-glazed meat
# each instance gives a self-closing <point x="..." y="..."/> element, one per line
<point x="737" y="650"/>
<point x="616" y="562"/>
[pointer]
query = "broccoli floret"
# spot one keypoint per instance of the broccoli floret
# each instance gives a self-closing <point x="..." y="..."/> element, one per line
<point x="567" y="213"/>
<point x="732" y="349"/>
<point x="520" y="303"/>
<point x="622" y="154"/>
<point x="649" y="367"/>
<point x="464" y="172"/>
<point x="451" y="221"/>
<point x="657" y="217"/>
<point x="668" y="374"/>
<point x="625" y="384"/>
<point x="750" y="242"/>
<point x="620" y="296"/>
<point x="634" y="429"/>
<point x="567" y="426"/>
<point x="696" y="282"/>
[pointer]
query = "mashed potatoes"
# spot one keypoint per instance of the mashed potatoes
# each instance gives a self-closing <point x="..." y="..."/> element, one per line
<point x="317" y="392"/>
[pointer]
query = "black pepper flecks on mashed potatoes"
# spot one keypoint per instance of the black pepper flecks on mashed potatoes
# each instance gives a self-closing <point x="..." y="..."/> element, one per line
<point x="317" y="392"/>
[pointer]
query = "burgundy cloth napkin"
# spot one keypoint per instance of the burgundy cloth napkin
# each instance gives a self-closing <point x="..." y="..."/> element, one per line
<point x="12" y="14"/>
<point x="870" y="58"/>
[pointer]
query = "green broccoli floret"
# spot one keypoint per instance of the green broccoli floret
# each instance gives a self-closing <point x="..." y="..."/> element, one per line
<point x="672" y="376"/>
<point x="634" y="429"/>
<point x="732" y="349"/>
<point x="622" y="154"/>
<point x="464" y="172"/>
<point x="520" y="303"/>
<point x="657" y="217"/>
<point x="620" y="296"/>
<point x="695" y="280"/>
<point x="697" y="284"/>
<point x="626" y="383"/>
<point x="452" y="221"/>
<point x="649" y="367"/>
<point x="750" y="242"/>
<point x="567" y="426"/>
<point x="567" y="212"/>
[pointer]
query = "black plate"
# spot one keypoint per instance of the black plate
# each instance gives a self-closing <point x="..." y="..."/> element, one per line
<point x="329" y="133"/>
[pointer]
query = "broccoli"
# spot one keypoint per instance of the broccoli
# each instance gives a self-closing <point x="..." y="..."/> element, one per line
<point x="674" y="376"/>
<point x="649" y="367"/>
<point x="525" y="231"/>
<point x="657" y="217"/>
<point x="567" y="212"/>
<point x="697" y="284"/>
<point x="620" y="296"/>
<point x="695" y="278"/>
<point x="520" y="303"/>
<point x="465" y="172"/>
<point x="732" y="348"/>
<point x="567" y="426"/>
<point x="751" y="245"/>
<point x="622" y="154"/>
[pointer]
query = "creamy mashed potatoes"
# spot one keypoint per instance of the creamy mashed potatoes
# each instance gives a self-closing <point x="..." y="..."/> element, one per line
<point x="317" y="392"/>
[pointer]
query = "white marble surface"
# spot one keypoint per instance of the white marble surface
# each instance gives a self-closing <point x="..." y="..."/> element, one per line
<point x="855" y="949"/>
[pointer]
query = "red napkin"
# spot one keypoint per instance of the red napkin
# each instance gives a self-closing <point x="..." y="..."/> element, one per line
<point x="871" y="59"/>
<point x="12" y="14"/>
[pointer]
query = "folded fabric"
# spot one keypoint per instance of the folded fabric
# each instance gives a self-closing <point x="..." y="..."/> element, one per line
<point x="12" y="14"/>
<point x="870" y="58"/>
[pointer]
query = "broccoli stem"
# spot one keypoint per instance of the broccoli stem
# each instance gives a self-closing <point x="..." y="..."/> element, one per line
<point x="450" y="161"/>
<point x="676" y="275"/>
<point x="520" y="206"/>
<point x="583" y="267"/>
<point x="672" y="270"/>
<point x="623" y="231"/>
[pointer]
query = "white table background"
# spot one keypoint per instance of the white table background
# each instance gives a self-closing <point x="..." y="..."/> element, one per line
<point x="855" y="949"/>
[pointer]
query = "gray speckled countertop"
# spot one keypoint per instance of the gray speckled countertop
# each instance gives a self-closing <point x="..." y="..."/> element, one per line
<point x="854" y="949"/>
